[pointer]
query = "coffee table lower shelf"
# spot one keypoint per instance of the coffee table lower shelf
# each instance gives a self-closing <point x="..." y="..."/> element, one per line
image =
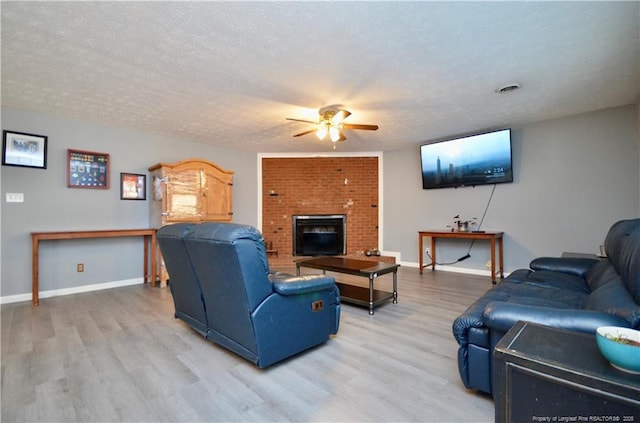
<point x="359" y="295"/>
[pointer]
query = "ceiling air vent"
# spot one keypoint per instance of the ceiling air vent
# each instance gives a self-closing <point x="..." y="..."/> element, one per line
<point x="508" y="88"/>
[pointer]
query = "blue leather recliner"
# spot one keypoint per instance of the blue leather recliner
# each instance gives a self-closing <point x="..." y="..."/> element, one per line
<point x="577" y="294"/>
<point x="221" y="286"/>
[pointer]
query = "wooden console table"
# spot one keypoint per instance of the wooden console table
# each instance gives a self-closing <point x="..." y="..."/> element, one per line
<point x="491" y="236"/>
<point x="149" y="245"/>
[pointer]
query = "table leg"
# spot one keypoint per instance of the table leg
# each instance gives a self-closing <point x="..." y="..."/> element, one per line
<point x="145" y="270"/>
<point x="433" y="253"/>
<point x="395" y="286"/>
<point x="500" y="255"/>
<point x="420" y="251"/>
<point x="34" y="271"/>
<point x="371" y="277"/>
<point x="493" y="260"/>
<point x="153" y="258"/>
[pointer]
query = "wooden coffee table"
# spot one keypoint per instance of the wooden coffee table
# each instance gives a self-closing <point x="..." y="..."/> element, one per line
<point x="369" y="269"/>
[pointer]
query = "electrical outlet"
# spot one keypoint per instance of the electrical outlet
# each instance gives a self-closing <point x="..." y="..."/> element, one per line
<point x="80" y="267"/>
<point x="427" y="251"/>
<point x="488" y="265"/>
<point x="14" y="197"/>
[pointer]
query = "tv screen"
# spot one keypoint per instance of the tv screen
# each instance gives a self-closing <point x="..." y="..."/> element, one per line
<point x="467" y="161"/>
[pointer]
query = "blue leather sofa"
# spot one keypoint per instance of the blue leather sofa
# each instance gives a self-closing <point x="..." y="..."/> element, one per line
<point x="572" y="293"/>
<point x="221" y="286"/>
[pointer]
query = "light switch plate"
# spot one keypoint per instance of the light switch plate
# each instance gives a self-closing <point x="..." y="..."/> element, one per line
<point x="15" y="197"/>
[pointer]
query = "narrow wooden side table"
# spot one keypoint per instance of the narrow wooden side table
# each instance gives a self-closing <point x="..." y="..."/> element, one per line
<point x="149" y="246"/>
<point x="493" y="237"/>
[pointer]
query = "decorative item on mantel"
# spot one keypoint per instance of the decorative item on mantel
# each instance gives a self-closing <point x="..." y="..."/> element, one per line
<point x="462" y="225"/>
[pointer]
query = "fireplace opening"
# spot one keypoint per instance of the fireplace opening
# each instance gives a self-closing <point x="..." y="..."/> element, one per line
<point x="319" y="235"/>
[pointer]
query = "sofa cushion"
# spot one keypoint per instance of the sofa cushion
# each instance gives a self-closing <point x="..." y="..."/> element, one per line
<point x="616" y="238"/>
<point x="548" y="278"/>
<point x="231" y="233"/>
<point x="601" y="274"/>
<point x="622" y="245"/>
<point x="613" y="298"/>
<point x="546" y="295"/>
<point x="518" y="276"/>
<point x="525" y="293"/>
<point x="630" y="260"/>
<point x="572" y="265"/>
<point x="562" y="281"/>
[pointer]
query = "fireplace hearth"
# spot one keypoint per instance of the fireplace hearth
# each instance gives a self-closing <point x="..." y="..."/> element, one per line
<point x="319" y="235"/>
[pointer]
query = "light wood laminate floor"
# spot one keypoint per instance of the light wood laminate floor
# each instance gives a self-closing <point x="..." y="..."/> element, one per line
<point x="119" y="355"/>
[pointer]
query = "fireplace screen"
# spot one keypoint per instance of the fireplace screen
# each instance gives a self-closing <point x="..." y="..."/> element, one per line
<point x="319" y="235"/>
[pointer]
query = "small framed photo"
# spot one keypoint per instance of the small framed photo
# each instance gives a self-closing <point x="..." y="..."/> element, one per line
<point x="22" y="149"/>
<point x="87" y="169"/>
<point x="133" y="186"/>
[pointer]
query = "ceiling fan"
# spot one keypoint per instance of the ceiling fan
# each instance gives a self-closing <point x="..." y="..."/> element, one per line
<point x="331" y="122"/>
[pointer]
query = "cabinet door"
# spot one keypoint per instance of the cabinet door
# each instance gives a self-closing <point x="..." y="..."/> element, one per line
<point x="216" y="195"/>
<point x="182" y="196"/>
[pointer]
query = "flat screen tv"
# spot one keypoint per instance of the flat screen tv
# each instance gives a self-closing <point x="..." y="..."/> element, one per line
<point x="469" y="160"/>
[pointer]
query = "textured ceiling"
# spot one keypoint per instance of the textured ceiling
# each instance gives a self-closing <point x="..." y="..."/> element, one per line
<point x="228" y="73"/>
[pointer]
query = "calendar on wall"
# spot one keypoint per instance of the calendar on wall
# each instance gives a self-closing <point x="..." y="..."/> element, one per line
<point x="87" y="169"/>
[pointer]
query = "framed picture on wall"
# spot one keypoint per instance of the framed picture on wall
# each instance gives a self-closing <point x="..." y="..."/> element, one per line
<point x="133" y="186"/>
<point x="87" y="169"/>
<point x="22" y="149"/>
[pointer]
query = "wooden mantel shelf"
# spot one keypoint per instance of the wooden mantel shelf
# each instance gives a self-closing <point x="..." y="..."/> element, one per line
<point x="149" y="246"/>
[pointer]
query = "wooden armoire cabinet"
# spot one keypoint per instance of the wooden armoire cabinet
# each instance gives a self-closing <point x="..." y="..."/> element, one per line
<point x="192" y="190"/>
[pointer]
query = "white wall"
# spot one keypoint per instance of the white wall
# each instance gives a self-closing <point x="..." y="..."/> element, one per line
<point x="50" y="206"/>
<point x="574" y="177"/>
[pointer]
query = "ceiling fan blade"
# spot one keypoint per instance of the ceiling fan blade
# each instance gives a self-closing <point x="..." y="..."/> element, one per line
<point x="305" y="132"/>
<point x="301" y="120"/>
<point x="340" y="116"/>
<point x="342" y="137"/>
<point x="360" y="126"/>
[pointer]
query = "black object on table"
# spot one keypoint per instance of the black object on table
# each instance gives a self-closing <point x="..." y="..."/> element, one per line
<point x="546" y="374"/>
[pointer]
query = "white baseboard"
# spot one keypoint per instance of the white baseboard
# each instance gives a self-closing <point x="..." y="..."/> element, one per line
<point x="394" y="254"/>
<point x="444" y="268"/>
<point x="467" y="270"/>
<point x="69" y="291"/>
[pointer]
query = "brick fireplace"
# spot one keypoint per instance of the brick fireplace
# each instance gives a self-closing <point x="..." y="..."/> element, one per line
<point x="319" y="186"/>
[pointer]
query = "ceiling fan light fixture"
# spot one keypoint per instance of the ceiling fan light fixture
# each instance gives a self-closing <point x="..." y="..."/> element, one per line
<point x="322" y="131"/>
<point x="334" y="133"/>
<point x="331" y="122"/>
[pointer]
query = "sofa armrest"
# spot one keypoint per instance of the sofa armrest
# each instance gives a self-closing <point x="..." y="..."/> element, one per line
<point x="572" y="265"/>
<point x="502" y="316"/>
<point x="295" y="285"/>
<point x="463" y="323"/>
